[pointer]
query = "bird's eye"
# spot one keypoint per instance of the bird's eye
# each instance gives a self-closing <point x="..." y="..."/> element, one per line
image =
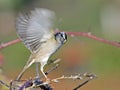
<point x="61" y="35"/>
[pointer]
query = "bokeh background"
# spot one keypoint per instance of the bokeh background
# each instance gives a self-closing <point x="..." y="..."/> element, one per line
<point x="79" y="54"/>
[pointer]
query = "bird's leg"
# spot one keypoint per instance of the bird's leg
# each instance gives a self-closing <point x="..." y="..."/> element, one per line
<point x="47" y="79"/>
<point x="37" y="71"/>
<point x="41" y="68"/>
<point x="21" y="73"/>
<point x="43" y="73"/>
<point x="28" y="64"/>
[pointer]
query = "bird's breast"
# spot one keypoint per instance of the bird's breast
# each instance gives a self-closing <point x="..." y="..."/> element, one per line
<point x="46" y="50"/>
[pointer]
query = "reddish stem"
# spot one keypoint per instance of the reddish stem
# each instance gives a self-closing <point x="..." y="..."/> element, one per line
<point x="9" y="43"/>
<point x="85" y="34"/>
<point x="89" y="35"/>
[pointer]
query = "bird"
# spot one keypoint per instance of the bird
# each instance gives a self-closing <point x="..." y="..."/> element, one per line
<point x="35" y="29"/>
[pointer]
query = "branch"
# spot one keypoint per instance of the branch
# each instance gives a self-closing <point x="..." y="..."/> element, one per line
<point x="37" y="83"/>
<point x="85" y="82"/>
<point x="4" y="45"/>
<point x="89" y="35"/>
<point x="85" y="34"/>
<point x="20" y="85"/>
<point x="76" y="77"/>
<point x="34" y="84"/>
<point x="4" y="84"/>
<point x="90" y="77"/>
<point x="79" y="76"/>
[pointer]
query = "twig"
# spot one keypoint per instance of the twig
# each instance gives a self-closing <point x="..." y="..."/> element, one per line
<point x="89" y="35"/>
<point x="29" y="83"/>
<point x="85" y="82"/>
<point x="91" y="76"/>
<point x="79" y="76"/>
<point x="4" y="84"/>
<point x="3" y="45"/>
<point x="85" y="34"/>
<point x="74" y="77"/>
<point x="35" y="83"/>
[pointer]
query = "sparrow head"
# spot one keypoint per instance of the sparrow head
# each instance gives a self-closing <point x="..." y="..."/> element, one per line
<point x="61" y="37"/>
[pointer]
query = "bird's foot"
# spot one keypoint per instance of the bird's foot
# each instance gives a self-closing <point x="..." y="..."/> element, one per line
<point x="37" y="81"/>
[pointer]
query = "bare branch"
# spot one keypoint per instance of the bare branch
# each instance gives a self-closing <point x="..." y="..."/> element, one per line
<point x="75" y="77"/>
<point x="85" y="34"/>
<point x="4" y="45"/>
<point x="79" y="76"/>
<point x="22" y="84"/>
<point x="35" y="83"/>
<point x="91" y="76"/>
<point x="89" y="35"/>
<point x="85" y="82"/>
<point x="4" y="84"/>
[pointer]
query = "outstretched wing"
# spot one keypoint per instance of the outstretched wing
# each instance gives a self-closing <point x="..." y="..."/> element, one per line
<point x="35" y="28"/>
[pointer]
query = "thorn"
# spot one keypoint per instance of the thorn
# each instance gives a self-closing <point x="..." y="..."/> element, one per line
<point x="72" y="35"/>
<point x="89" y="33"/>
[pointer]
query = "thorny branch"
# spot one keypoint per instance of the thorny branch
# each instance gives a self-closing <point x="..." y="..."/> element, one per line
<point x="85" y="34"/>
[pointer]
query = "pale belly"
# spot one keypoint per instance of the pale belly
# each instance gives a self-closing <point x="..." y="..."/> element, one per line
<point x="45" y="52"/>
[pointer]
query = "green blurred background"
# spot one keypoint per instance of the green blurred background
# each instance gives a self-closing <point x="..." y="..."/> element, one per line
<point x="79" y="54"/>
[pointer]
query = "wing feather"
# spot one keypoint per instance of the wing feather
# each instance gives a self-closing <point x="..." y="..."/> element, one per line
<point x="35" y="28"/>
